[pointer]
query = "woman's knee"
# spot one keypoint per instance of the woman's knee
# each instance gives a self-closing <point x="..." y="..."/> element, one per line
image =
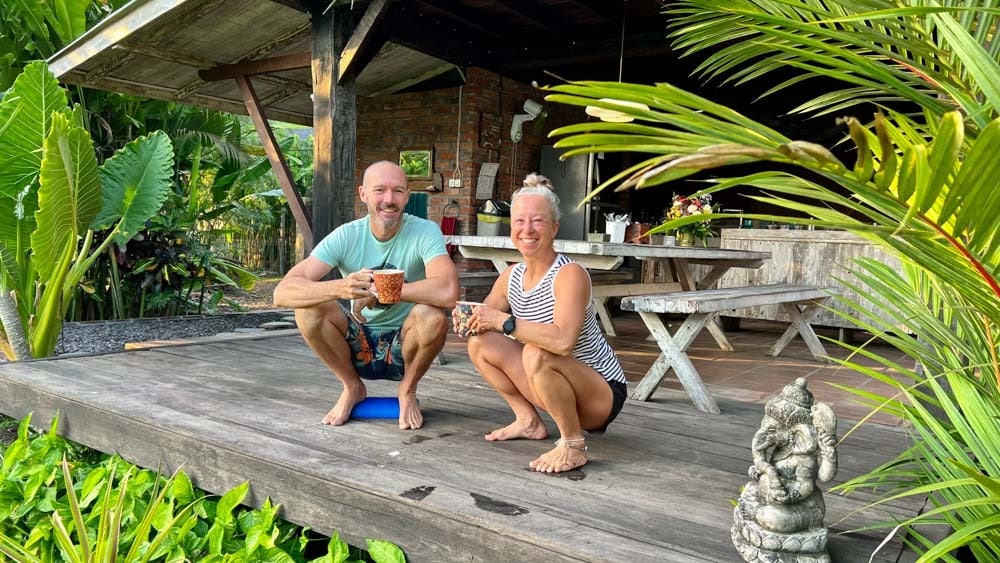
<point x="489" y="347"/>
<point x="479" y="347"/>
<point x="537" y="361"/>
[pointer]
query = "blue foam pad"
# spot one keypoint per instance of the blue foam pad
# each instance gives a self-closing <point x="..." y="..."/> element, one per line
<point x="377" y="407"/>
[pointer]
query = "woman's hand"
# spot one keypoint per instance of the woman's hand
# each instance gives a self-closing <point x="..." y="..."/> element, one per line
<point x="486" y="318"/>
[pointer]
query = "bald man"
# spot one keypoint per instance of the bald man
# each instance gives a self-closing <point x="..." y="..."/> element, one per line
<point x="366" y="339"/>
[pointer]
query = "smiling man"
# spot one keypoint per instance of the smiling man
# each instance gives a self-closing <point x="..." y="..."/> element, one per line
<point x="365" y="339"/>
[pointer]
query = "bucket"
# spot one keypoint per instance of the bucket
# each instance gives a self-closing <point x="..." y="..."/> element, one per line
<point x="617" y="231"/>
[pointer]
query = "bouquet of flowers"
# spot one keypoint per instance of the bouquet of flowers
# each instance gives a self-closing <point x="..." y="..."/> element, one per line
<point x="684" y="206"/>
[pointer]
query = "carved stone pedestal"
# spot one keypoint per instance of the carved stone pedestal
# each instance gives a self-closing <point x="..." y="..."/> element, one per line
<point x="757" y="544"/>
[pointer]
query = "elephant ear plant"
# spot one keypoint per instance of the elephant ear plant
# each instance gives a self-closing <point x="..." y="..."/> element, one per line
<point x="923" y="186"/>
<point x="53" y="197"/>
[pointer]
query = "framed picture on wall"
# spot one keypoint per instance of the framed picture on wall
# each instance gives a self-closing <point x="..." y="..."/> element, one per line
<point x="418" y="164"/>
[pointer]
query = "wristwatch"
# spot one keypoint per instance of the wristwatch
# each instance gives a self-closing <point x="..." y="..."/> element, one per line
<point x="509" y="325"/>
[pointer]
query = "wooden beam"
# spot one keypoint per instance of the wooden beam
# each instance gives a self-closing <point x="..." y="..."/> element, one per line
<point x="302" y="218"/>
<point x="278" y="43"/>
<point x="115" y="61"/>
<point x="190" y="88"/>
<point x="263" y="66"/>
<point x="334" y="123"/>
<point x="144" y="90"/>
<point x="345" y="126"/>
<point x="361" y="40"/>
<point x="166" y="55"/>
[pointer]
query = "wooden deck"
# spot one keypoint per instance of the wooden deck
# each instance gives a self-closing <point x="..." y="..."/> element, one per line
<point x="658" y="487"/>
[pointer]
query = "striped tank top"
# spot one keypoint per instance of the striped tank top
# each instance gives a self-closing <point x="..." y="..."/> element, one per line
<point x="538" y="305"/>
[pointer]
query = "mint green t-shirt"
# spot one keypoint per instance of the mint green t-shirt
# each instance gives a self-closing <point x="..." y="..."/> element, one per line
<point x="352" y="247"/>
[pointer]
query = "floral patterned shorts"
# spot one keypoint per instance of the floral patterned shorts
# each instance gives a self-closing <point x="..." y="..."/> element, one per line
<point x="377" y="352"/>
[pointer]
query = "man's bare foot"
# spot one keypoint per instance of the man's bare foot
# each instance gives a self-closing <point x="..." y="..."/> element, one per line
<point x="345" y="404"/>
<point x="532" y="430"/>
<point x="410" y="417"/>
<point x="564" y="457"/>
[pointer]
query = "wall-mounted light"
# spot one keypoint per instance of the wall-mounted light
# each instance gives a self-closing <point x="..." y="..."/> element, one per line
<point x="533" y="109"/>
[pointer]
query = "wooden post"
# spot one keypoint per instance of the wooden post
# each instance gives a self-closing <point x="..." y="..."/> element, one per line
<point x="334" y="123"/>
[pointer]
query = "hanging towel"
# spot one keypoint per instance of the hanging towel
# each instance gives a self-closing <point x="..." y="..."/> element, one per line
<point x="448" y="227"/>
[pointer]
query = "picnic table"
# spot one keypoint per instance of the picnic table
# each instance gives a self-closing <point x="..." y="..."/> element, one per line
<point x="800" y="302"/>
<point x="605" y="256"/>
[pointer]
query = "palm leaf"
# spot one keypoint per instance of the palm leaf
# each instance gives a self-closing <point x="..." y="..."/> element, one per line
<point x="923" y="188"/>
<point x="914" y="52"/>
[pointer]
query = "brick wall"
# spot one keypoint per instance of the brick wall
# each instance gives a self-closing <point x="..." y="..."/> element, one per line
<point x="421" y="120"/>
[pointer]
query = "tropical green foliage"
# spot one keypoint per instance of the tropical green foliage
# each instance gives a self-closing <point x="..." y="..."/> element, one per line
<point x="60" y="502"/>
<point x="53" y="196"/>
<point x="923" y="186"/>
<point x="35" y="30"/>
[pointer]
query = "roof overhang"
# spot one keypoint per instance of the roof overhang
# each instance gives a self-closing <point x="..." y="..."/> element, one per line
<point x="164" y="49"/>
<point x="169" y="50"/>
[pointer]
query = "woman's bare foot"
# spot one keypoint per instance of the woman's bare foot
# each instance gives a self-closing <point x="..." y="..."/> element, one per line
<point x="410" y="416"/>
<point x="518" y="430"/>
<point x="345" y="404"/>
<point x="564" y="457"/>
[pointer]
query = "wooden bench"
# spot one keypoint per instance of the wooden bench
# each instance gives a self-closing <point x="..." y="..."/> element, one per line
<point x="800" y="302"/>
<point x="604" y="290"/>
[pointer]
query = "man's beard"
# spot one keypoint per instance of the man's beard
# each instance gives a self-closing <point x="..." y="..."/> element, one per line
<point x="386" y="222"/>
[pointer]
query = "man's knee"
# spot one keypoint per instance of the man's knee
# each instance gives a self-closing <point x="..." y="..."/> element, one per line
<point x="311" y="320"/>
<point x="430" y="322"/>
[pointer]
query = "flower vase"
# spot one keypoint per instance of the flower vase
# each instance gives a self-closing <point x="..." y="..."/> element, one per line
<point x="685" y="239"/>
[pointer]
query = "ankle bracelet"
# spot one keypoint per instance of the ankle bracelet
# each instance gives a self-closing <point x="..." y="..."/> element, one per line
<point x="568" y="442"/>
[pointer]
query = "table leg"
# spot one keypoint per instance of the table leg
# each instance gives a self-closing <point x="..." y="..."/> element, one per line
<point x="715" y="329"/>
<point x="673" y="355"/>
<point x="601" y="308"/>
<point x="800" y="325"/>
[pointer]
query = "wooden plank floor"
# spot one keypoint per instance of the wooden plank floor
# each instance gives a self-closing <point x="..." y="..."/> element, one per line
<point x="658" y="487"/>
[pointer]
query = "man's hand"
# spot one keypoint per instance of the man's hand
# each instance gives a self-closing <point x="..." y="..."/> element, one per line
<point x="360" y="303"/>
<point x="359" y="284"/>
